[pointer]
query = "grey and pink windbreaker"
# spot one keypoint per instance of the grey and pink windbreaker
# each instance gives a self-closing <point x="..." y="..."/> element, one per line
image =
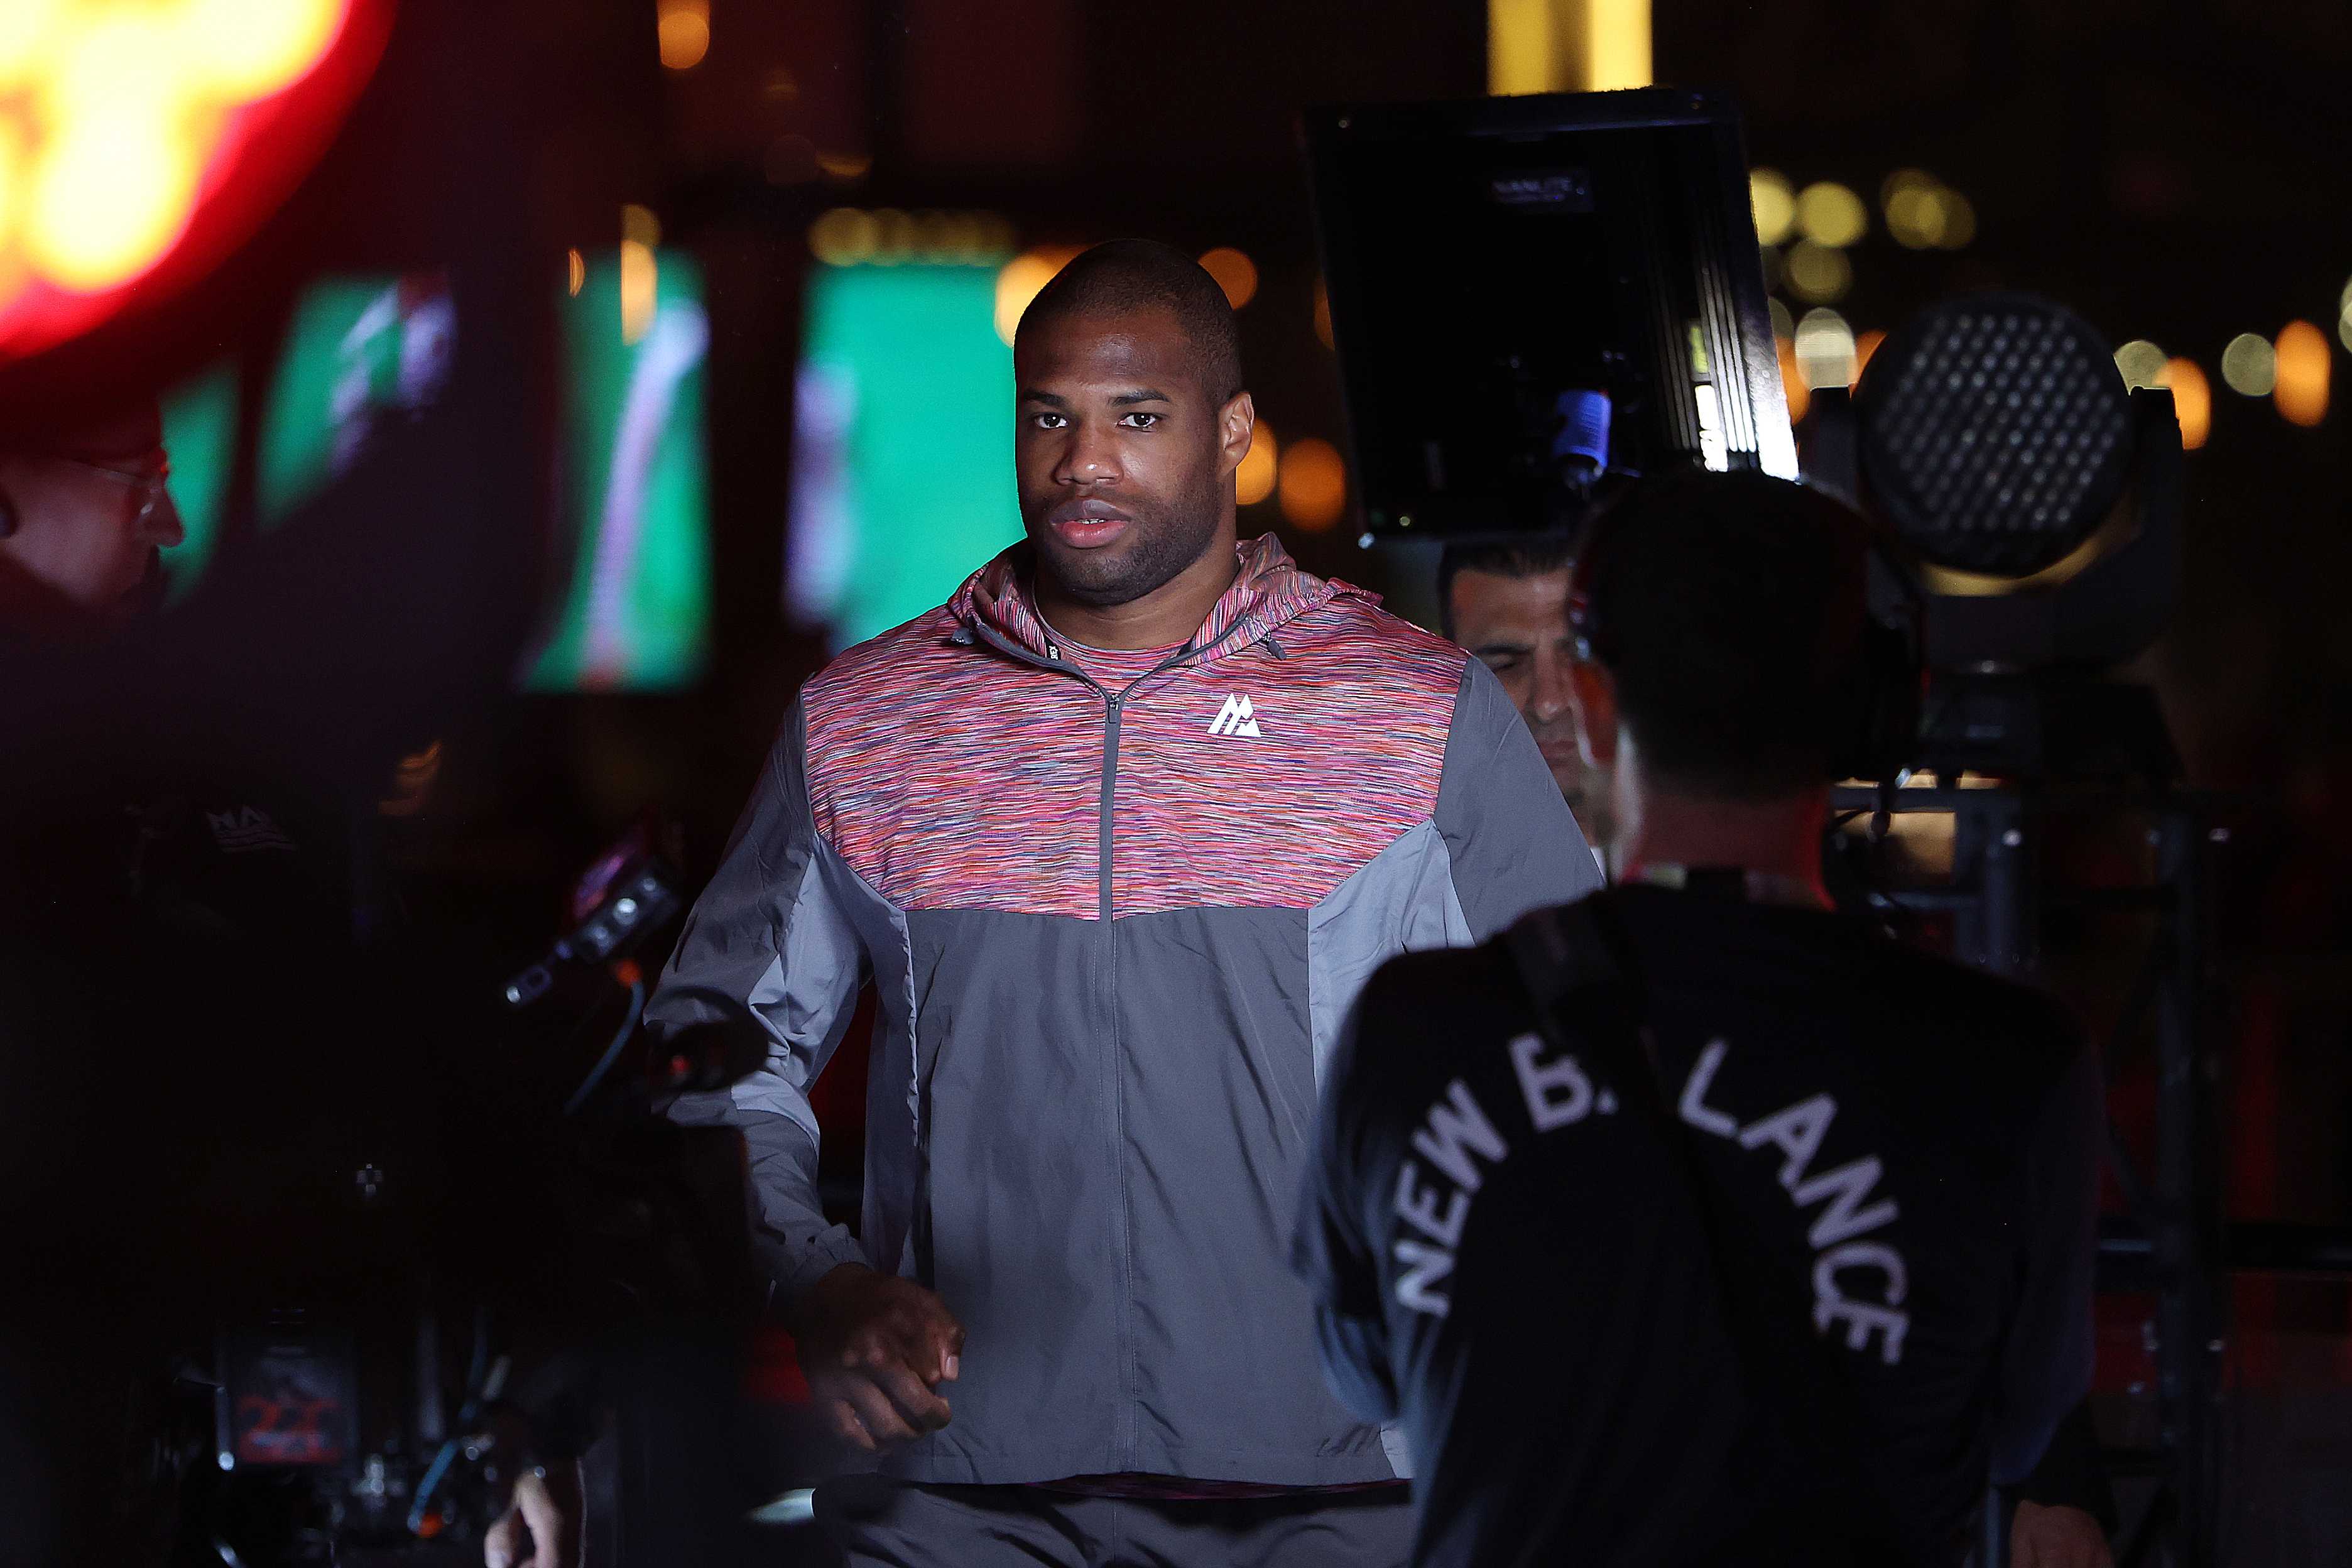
<point x="1113" y="934"/>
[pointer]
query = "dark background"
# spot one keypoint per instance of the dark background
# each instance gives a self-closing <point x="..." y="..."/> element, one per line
<point x="2174" y="170"/>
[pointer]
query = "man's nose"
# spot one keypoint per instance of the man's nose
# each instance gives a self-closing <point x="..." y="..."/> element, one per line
<point x="165" y="525"/>
<point x="1550" y="695"/>
<point x="1091" y="458"/>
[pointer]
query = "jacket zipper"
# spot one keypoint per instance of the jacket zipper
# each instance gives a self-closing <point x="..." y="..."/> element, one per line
<point x="1124" y="1433"/>
<point x="1113" y="705"/>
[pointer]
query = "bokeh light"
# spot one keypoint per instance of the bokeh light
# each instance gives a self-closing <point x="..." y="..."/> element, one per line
<point x="1826" y="349"/>
<point x="1784" y="325"/>
<point x="1254" y="480"/>
<point x="109" y="195"/>
<point x="1863" y="347"/>
<point x="1775" y="203"/>
<point x="894" y="238"/>
<point x="2249" y="365"/>
<point x="2344" y="315"/>
<point x="1818" y="274"/>
<point x="2193" y="401"/>
<point x="2304" y="362"/>
<point x="887" y="236"/>
<point x="2140" y="363"/>
<point x="1922" y="212"/>
<point x="1235" y="273"/>
<point x="14" y="166"/>
<point x="244" y="49"/>
<point x="111" y="116"/>
<point x="1906" y="200"/>
<point x="685" y="33"/>
<point x="1313" y="483"/>
<point x="1830" y="213"/>
<point x="843" y="237"/>
<point x="1960" y="221"/>
<point x="575" y="272"/>
<point x="1018" y="280"/>
<point x="640" y="276"/>
<point x="1322" y="314"/>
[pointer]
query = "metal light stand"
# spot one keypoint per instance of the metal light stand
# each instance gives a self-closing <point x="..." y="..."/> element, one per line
<point x="2067" y="743"/>
<point x="2000" y="886"/>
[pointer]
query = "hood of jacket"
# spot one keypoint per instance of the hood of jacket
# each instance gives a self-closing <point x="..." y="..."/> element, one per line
<point x="1269" y="591"/>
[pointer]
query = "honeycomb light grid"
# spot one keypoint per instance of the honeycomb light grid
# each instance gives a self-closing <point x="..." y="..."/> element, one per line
<point x="2000" y="437"/>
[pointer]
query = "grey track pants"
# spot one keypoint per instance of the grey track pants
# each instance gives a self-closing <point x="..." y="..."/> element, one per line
<point x="879" y="1523"/>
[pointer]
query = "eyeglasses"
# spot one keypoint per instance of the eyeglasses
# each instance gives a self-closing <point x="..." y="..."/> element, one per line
<point x="151" y="483"/>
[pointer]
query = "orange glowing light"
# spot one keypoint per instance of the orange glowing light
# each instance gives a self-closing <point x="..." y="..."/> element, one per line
<point x="109" y="197"/>
<point x="2193" y="401"/>
<point x="640" y="271"/>
<point x="133" y="135"/>
<point x="1863" y="347"/>
<point x="1018" y="281"/>
<point x="1314" y="484"/>
<point x="1254" y="480"/>
<point x="685" y="33"/>
<point x="13" y="169"/>
<point x="244" y="49"/>
<point x="1235" y="273"/>
<point x="2304" y="361"/>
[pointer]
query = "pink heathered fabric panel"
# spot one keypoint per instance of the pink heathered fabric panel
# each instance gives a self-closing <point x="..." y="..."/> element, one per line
<point x="1350" y="746"/>
<point x="951" y="777"/>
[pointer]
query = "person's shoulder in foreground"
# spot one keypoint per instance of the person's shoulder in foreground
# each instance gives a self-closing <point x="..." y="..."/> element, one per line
<point x="1830" y="1267"/>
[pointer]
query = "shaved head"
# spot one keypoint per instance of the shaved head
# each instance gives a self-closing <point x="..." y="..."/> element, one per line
<point x="1124" y="277"/>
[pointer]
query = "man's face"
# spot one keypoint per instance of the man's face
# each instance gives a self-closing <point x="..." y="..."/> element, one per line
<point x="92" y="518"/>
<point x="1517" y="627"/>
<point x="1122" y="453"/>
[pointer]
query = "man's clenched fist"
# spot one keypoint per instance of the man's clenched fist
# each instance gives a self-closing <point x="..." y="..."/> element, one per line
<point x="874" y="1348"/>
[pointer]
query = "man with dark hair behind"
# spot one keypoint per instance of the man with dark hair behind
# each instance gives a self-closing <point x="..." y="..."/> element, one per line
<point x="1506" y="601"/>
<point x="1115" y="834"/>
<point x="1693" y="1221"/>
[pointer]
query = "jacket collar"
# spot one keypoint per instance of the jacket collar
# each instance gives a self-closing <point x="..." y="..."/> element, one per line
<point x="1269" y="591"/>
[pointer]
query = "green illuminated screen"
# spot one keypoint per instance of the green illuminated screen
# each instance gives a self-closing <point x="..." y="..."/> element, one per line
<point x="364" y="353"/>
<point x="637" y="614"/>
<point x="902" y="460"/>
<point x="200" y="434"/>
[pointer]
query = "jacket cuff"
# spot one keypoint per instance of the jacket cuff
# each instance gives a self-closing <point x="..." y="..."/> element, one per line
<point x="795" y="1268"/>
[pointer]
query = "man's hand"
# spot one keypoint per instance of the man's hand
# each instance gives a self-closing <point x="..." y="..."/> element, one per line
<point x="541" y="1529"/>
<point x="874" y="1347"/>
<point x="2042" y="1537"/>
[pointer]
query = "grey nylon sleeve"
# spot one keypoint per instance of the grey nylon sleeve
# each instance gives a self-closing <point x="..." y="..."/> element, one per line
<point x="2046" y="1368"/>
<point x="1514" y="844"/>
<point x="767" y="935"/>
<point x="1331" y="1252"/>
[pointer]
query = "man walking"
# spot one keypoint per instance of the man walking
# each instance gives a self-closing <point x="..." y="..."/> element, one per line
<point x="1116" y="833"/>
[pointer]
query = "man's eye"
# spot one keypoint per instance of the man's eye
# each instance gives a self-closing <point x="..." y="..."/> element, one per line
<point x="1141" y="420"/>
<point x="1499" y="662"/>
<point x="1049" y="421"/>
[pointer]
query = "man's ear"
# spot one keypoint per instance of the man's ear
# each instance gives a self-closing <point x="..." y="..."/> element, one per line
<point x="1592" y="696"/>
<point x="1235" y="422"/>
